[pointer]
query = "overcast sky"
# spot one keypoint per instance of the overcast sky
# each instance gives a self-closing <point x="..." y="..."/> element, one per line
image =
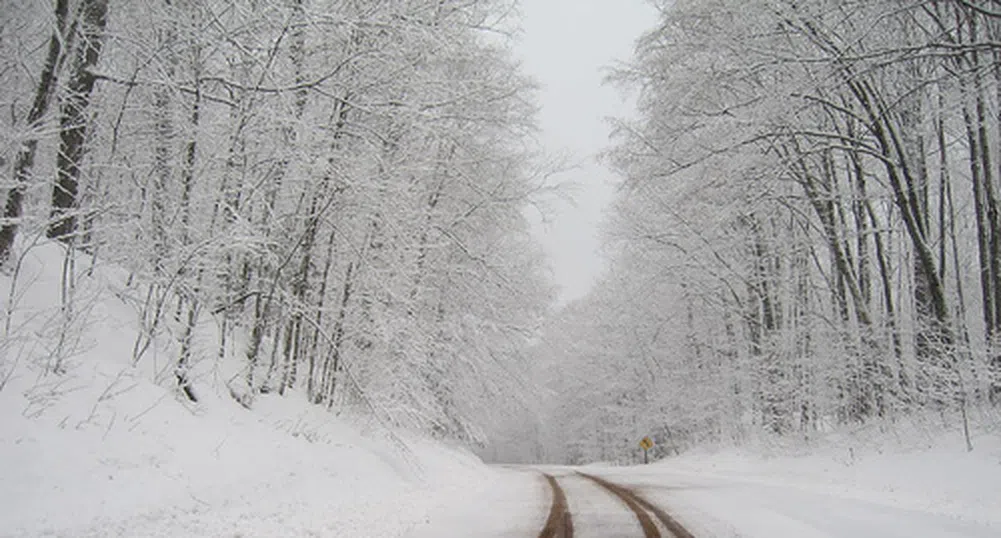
<point x="566" y="46"/>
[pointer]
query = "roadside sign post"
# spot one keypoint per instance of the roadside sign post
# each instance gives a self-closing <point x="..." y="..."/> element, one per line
<point x="646" y="444"/>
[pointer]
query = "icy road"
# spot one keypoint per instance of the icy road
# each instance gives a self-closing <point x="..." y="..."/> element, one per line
<point x="655" y="501"/>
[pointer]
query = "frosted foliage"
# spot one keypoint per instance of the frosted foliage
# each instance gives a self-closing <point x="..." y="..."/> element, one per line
<point x="335" y="187"/>
<point x="806" y="232"/>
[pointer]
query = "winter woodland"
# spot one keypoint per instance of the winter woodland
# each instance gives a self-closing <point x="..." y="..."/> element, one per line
<point x="337" y="186"/>
<point x="807" y="233"/>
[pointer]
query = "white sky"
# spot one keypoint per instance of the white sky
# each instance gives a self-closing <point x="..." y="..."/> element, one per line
<point x="565" y="46"/>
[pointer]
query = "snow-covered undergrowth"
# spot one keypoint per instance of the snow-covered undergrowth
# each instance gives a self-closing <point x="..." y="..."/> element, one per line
<point x="108" y="448"/>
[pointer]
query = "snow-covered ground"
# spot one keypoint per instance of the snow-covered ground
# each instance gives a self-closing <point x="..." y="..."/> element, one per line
<point x="906" y="482"/>
<point x="103" y="450"/>
<point x="884" y="485"/>
<point x="108" y="448"/>
<point x="509" y="502"/>
<point x="280" y="470"/>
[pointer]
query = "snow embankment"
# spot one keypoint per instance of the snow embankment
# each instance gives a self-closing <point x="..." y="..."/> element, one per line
<point x="905" y="481"/>
<point x="276" y="471"/>
<point x="938" y="476"/>
<point x="108" y="448"/>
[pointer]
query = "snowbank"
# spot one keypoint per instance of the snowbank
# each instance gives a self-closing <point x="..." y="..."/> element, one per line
<point x="940" y="477"/>
<point x="103" y="450"/>
<point x="905" y="481"/>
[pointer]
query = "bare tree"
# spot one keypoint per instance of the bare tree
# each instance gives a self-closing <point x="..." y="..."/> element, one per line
<point x="44" y="93"/>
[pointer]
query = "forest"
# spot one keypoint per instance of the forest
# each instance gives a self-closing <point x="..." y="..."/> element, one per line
<point x="333" y="196"/>
<point x="806" y="236"/>
<point x="335" y="188"/>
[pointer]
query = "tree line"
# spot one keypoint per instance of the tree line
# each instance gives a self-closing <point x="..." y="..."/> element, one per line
<point x="807" y="233"/>
<point x="337" y="185"/>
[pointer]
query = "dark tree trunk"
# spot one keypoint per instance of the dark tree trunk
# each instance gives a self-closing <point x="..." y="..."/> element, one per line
<point x="73" y="124"/>
<point x="333" y="363"/>
<point x="905" y="187"/>
<point x="25" y="159"/>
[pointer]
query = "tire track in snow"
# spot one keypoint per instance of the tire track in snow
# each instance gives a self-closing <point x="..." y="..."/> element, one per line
<point x="559" y="524"/>
<point x="650" y="529"/>
<point x="640" y="506"/>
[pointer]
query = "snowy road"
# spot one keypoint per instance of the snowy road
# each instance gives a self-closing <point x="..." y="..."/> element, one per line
<point x="706" y="505"/>
<point x="619" y="512"/>
<point x="595" y="512"/>
<point x="529" y="502"/>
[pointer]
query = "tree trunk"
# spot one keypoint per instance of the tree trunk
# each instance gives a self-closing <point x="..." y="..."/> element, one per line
<point x="930" y="297"/>
<point x="187" y="186"/>
<point x="332" y="364"/>
<point x="73" y="124"/>
<point x="25" y="160"/>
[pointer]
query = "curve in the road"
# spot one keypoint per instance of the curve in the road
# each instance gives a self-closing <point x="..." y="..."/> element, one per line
<point x="650" y="529"/>
<point x="672" y="524"/>
<point x="559" y="523"/>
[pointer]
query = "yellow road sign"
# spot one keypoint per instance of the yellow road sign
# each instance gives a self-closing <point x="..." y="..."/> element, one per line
<point x="646" y="443"/>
